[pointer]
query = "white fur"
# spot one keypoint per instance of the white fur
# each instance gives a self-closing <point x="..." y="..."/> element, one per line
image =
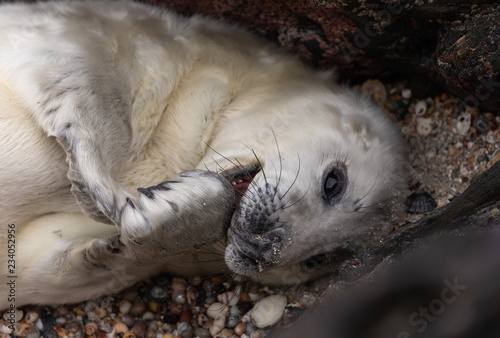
<point x="185" y="92"/>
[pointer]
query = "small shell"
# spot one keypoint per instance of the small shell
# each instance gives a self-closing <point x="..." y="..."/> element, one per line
<point x="158" y="294"/>
<point x="463" y="123"/>
<point x="202" y="319"/>
<point x="101" y="312"/>
<point x="125" y="306"/>
<point x="139" y="329"/>
<point x="376" y="90"/>
<point x="91" y="329"/>
<point x="179" y="297"/>
<point x="482" y="123"/>
<point x="178" y="285"/>
<point x="424" y="126"/>
<point x="120" y="327"/>
<point x="218" y="325"/>
<point x="217" y="310"/>
<point x="148" y="315"/>
<point x="406" y="93"/>
<point x="268" y="311"/>
<point x="22" y="329"/>
<point x="231" y="322"/>
<point x="74" y="329"/>
<point x="60" y="331"/>
<point x="11" y="315"/>
<point x="421" y="108"/>
<point x="31" y="317"/>
<point x="129" y="334"/>
<point x="229" y="298"/>
<point x="420" y="202"/>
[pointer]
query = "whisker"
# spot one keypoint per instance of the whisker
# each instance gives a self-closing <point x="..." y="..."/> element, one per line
<point x="294" y="180"/>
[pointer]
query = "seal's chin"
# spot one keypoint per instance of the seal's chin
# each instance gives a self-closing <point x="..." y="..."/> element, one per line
<point x="240" y="179"/>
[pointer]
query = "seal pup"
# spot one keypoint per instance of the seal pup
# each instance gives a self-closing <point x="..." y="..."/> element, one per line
<point x="134" y="138"/>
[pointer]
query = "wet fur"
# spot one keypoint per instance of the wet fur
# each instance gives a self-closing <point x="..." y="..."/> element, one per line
<point x="93" y="109"/>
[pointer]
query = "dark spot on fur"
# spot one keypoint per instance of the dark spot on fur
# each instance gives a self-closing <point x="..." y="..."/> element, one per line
<point x="132" y="205"/>
<point x="146" y="192"/>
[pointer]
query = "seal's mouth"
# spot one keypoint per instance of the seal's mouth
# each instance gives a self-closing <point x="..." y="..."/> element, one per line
<point x="240" y="179"/>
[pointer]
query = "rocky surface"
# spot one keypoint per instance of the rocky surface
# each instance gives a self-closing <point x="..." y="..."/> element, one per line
<point x="450" y="43"/>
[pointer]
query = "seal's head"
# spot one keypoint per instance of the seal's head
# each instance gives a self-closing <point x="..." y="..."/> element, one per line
<point x="316" y="181"/>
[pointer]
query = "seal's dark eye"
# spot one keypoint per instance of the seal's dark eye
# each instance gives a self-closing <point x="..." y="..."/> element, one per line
<point x="334" y="184"/>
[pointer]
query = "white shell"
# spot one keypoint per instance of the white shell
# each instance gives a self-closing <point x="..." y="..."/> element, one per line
<point x="421" y="108"/>
<point x="268" y="311"/>
<point x="125" y="306"/>
<point x="229" y="298"/>
<point x="463" y="124"/>
<point x="217" y="310"/>
<point x="218" y="325"/>
<point x="424" y="126"/>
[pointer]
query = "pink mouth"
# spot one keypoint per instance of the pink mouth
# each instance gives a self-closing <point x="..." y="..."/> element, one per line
<point x="241" y="182"/>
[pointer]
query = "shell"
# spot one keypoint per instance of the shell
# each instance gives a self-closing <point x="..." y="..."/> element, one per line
<point x="420" y="202"/>
<point x="229" y="298"/>
<point x="424" y="126"/>
<point x="218" y="325"/>
<point x="217" y="310"/>
<point x="31" y="317"/>
<point x="178" y="284"/>
<point x="268" y="311"/>
<point x="231" y="322"/>
<point x="120" y="327"/>
<point x="376" y="90"/>
<point x="158" y="294"/>
<point x="421" y="108"/>
<point x="91" y="329"/>
<point x="101" y="312"/>
<point x="179" y="297"/>
<point x="463" y="123"/>
<point x="125" y="306"/>
<point x="129" y="334"/>
<point x="482" y="123"/>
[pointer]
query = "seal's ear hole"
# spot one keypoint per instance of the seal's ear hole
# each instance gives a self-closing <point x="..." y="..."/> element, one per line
<point x="333" y="185"/>
<point x="314" y="262"/>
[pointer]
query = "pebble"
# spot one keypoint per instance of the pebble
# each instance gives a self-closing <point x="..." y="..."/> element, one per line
<point x="179" y="297"/>
<point x="138" y="309"/>
<point x="250" y="328"/>
<point x="268" y="311"/>
<point x="178" y="284"/>
<point x="217" y="310"/>
<point x="240" y="329"/>
<point x="231" y="322"/>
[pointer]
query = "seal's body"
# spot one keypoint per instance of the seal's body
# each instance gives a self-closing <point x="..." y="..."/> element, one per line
<point x="99" y="99"/>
